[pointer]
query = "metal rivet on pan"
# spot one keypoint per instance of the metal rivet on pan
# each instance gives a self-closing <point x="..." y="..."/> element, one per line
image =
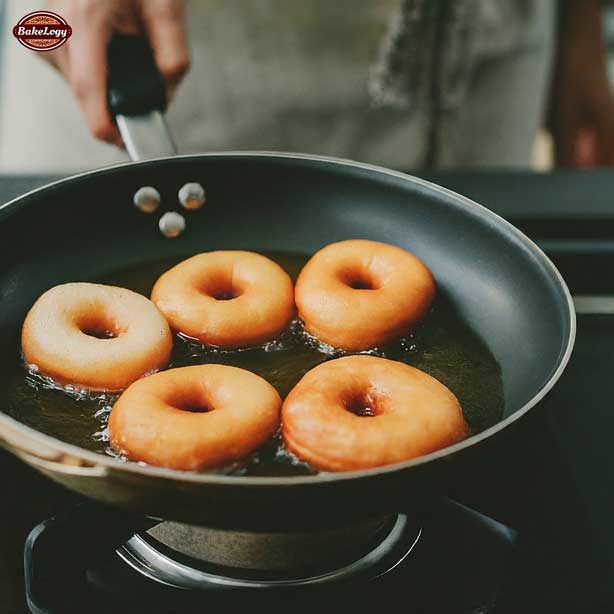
<point x="146" y="199"/>
<point x="172" y="224"/>
<point x="192" y="196"/>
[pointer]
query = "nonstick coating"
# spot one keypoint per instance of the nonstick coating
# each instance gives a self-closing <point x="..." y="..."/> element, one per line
<point x="86" y="226"/>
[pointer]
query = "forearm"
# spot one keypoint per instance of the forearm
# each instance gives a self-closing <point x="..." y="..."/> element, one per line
<point x="581" y="114"/>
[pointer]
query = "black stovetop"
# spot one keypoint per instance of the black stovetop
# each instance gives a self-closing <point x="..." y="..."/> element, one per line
<point x="550" y="480"/>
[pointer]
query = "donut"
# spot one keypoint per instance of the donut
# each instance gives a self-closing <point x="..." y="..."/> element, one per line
<point x="358" y="412"/>
<point x="228" y="299"/>
<point x="359" y="294"/>
<point x="95" y="337"/>
<point x="194" y="418"/>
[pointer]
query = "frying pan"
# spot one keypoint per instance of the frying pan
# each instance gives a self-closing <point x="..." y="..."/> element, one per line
<point x="500" y="283"/>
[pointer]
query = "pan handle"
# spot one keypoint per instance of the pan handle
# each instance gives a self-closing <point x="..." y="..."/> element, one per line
<point x="137" y="98"/>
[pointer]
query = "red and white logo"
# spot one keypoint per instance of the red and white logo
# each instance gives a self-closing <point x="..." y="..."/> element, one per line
<point x="42" y="31"/>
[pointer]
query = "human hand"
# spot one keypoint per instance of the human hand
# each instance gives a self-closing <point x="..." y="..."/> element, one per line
<point x="83" y="59"/>
<point x="581" y="116"/>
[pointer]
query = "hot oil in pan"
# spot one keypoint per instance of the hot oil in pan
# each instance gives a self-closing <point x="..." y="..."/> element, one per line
<point x="442" y="345"/>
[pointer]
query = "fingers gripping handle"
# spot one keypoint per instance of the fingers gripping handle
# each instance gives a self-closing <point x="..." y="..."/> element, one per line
<point x="137" y="97"/>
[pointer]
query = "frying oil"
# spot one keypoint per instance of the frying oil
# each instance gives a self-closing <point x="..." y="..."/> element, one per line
<point x="442" y="345"/>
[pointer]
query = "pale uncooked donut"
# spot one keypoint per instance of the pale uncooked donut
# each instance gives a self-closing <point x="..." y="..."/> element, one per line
<point x="64" y="336"/>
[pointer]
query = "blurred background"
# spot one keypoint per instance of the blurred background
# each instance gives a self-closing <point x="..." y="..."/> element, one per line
<point x="403" y="83"/>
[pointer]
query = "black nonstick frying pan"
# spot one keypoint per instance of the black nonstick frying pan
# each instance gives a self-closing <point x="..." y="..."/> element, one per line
<point x="500" y="283"/>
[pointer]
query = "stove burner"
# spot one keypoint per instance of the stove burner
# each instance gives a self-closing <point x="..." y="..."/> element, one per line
<point x="153" y="559"/>
<point x="97" y="559"/>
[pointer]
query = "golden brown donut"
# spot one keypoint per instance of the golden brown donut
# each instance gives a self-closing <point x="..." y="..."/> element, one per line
<point x="359" y="294"/>
<point x="95" y="337"/>
<point x="228" y="299"/>
<point x="194" y="417"/>
<point x="362" y="411"/>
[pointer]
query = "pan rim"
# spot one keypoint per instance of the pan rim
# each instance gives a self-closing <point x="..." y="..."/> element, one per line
<point x="96" y="459"/>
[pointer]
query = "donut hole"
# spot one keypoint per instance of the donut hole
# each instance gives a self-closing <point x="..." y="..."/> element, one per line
<point x="221" y="288"/>
<point x="193" y="408"/>
<point x="99" y="327"/>
<point x="225" y="296"/>
<point x="361" y="405"/>
<point x="193" y="401"/>
<point x="359" y="279"/>
<point x="100" y="333"/>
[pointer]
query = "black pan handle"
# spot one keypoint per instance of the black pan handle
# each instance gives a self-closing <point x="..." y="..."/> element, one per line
<point x="137" y="97"/>
<point x="135" y="87"/>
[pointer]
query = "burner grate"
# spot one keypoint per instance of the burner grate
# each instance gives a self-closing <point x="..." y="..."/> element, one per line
<point x="152" y="559"/>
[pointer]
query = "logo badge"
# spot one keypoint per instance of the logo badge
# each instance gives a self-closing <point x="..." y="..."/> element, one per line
<point x="42" y="31"/>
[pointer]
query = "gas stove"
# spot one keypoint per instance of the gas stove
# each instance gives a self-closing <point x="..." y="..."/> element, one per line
<point x="110" y="566"/>
<point x="529" y="530"/>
